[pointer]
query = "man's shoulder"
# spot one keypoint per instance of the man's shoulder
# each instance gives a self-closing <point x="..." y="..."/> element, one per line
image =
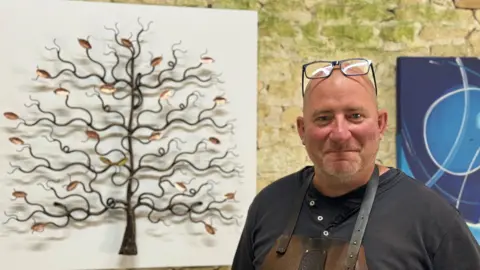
<point x="424" y="197"/>
<point x="283" y="188"/>
<point x="286" y="183"/>
<point x="443" y="229"/>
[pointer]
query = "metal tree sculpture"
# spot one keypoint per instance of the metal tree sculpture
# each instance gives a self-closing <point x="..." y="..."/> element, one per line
<point x="136" y="87"/>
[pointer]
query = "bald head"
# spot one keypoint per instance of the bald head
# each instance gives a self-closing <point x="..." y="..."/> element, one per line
<point x="341" y="128"/>
<point x="336" y="79"/>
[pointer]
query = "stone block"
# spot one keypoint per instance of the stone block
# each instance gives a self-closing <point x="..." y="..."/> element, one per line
<point x="287" y="92"/>
<point x="226" y="4"/>
<point x="311" y="32"/>
<point x="272" y="24"/>
<point x="326" y="12"/>
<point x="412" y="2"/>
<point x="371" y="12"/>
<point x="474" y="40"/>
<point x="276" y="6"/>
<point x="443" y="3"/>
<point x="465" y="18"/>
<point x="361" y="2"/>
<point x="467" y="4"/>
<point x="414" y="51"/>
<point x="268" y="136"/>
<point x="188" y="3"/>
<point x="346" y="35"/>
<point x="355" y="11"/>
<point x="274" y="71"/>
<point x="401" y="32"/>
<point x="281" y="157"/>
<point x="263" y="110"/>
<point x="272" y="118"/>
<point x="384" y="71"/>
<point x="427" y="13"/>
<point x="441" y="32"/>
<point x="290" y="114"/>
<point x="290" y="135"/>
<point x="297" y="16"/>
<point x="450" y="50"/>
<point x="390" y="46"/>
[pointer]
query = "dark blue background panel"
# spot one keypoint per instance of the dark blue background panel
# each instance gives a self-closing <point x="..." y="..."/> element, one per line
<point x="438" y="128"/>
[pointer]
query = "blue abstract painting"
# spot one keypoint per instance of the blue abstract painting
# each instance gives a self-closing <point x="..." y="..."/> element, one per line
<point x="438" y="128"/>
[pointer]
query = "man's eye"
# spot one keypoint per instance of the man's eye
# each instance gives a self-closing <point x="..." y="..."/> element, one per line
<point x="356" y="116"/>
<point x="322" y="118"/>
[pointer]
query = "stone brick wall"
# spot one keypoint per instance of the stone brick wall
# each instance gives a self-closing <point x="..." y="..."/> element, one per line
<point x="294" y="31"/>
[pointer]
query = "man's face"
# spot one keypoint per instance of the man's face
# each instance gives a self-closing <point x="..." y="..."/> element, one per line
<point x="341" y="126"/>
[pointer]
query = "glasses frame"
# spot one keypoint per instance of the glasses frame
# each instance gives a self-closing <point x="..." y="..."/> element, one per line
<point x="335" y="63"/>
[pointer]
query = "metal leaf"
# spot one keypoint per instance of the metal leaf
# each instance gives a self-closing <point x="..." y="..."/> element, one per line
<point x="16" y="140"/>
<point x="210" y="229"/>
<point x="72" y="185"/>
<point x="108" y="89"/>
<point x="84" y="43"/>
<point x="181" y="186"/>
<point x="10" y="115"/>
<point x="92" y="134"/>
<point x="122" y="162"/>
<point x="19" y="194"/>
<point x="105" y="160"/>
<point x="220" y="100"/>
<point x="214" y="140"/>
<point x="61" y="91"/>
<point x="43" y="73"/>
<point x="166" y="94"/>
<point x="156" y="61"/>
<point x="154" y="136"/>
<point x="126" y="42"/>
<point x="207" y="60"/>
<point x="230" y="195"/>
<point x="38" y="227"/>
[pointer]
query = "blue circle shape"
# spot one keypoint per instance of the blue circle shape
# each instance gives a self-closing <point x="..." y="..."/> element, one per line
<point x="453" y="130"/>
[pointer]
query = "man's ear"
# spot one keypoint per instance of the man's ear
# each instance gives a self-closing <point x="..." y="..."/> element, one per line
<point x="301" y="129"/>
<point x="382" y="121"/>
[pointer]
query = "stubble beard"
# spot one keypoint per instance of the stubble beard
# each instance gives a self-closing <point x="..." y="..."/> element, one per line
<point x="342" y="171"/>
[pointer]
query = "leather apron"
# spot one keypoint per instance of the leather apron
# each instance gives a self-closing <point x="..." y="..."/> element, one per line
<point x="297" y="252"/>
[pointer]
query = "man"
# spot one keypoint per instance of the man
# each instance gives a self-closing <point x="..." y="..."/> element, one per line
<point x="310" y="219"/>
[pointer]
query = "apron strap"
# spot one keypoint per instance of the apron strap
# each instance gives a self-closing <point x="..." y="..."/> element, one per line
<point x="360" y="225"/>
<point x="297" y="204"/>
<point x="362" y="219"/>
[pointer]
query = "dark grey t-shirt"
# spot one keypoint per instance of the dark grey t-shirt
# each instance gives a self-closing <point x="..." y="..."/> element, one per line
<point x="410" y="227"/>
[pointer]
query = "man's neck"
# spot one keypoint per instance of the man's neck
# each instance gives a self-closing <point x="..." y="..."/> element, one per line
<point x="332" y="186"/>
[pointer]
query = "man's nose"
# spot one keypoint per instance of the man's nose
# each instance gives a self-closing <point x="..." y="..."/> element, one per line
<point x="340" y="130"/>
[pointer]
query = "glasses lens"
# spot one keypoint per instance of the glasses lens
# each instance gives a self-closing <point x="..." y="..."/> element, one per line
<point x="355" y="67"/>
<point x="318" y="70"/>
